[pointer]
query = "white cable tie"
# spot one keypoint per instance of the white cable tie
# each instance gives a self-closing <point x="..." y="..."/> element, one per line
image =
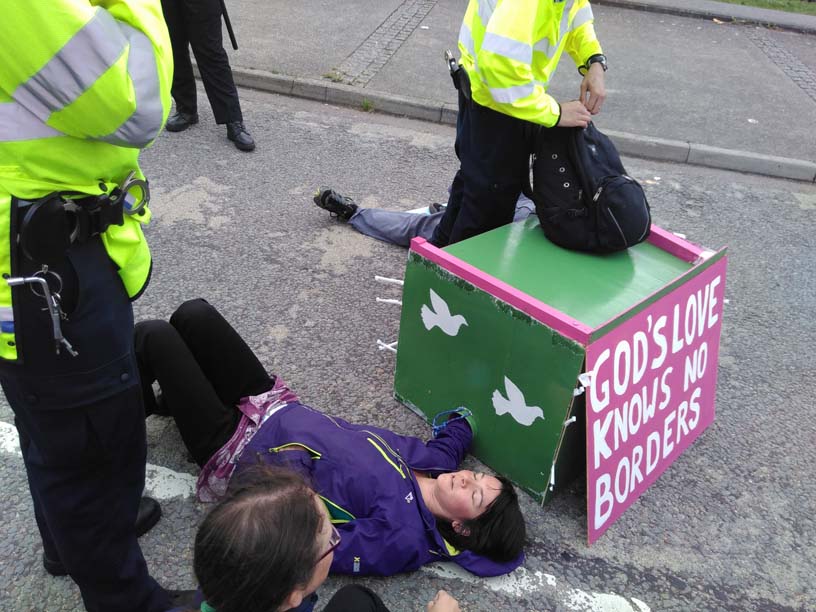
<point x="390" y="281"/>
<point x="383" y="346"/>
<point x="585" y="380"/>
<point x="552" y="477"/>
<point x="570" y="420"/>
<point x="389" y="301"/>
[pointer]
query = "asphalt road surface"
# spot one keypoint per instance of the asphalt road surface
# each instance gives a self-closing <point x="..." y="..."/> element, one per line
<point x="729" y="526"/>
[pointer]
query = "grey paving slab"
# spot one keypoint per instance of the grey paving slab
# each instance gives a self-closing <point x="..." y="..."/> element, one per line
<point x="671" y="77"/>
<point x="723" y="10"/>
<point x="305" y="38"/>
<point x="686" y="79"/>
<point x="418" y="68"/>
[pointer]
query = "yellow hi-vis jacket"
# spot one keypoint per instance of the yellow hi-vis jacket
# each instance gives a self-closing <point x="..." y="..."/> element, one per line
<point x="510" y="49"/>
<point x="84" y="85"/>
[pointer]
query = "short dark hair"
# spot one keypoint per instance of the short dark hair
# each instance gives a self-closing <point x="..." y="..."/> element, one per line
<point x="259" y="543"/>
<point x="499" y="533"/>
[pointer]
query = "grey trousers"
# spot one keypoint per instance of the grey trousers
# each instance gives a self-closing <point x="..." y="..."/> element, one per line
<point x="400" y="227"/>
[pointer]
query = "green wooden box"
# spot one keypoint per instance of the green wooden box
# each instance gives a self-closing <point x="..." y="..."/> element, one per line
<point x="502" y="324"/>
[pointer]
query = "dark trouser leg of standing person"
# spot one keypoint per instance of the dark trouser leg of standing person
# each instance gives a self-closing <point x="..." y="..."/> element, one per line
<point x="203" y="19"/>
<point x="494" y="150"/>
<point x="203" y="367"/>
<point x="355" y="598"/>
<point x="441" y="235"/>
<point x="83" y="427"/>
<point x="184" y="86"/>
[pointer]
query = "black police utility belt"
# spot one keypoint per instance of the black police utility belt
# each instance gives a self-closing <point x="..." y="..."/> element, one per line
<point x="51" y="224"/>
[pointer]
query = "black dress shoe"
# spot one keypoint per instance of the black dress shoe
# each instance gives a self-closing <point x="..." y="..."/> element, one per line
<point x="238" y="134"/>
<point x="149" y="514"/>
<point x="178" y="122"/>
<point x="55" y="568"/>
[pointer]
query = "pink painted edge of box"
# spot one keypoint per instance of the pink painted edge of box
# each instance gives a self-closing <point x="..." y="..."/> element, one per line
<point x="673" y="244"/>
<point x="557" y="320"/>
<point x="651" y="296"/>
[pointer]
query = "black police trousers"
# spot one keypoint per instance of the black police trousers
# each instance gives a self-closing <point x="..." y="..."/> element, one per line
<point x="494" y="154"/>
<point x="197" y="24"/>
<point x="82" y="433"/>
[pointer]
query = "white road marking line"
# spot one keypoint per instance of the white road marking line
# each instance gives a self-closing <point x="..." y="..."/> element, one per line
<point x="525" y="583"/>
<point x="160" y="482"/>
<point x="163" y="483"/>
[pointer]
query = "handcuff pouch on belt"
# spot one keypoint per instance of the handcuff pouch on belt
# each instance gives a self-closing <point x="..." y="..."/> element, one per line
<point x="51" y="224"/>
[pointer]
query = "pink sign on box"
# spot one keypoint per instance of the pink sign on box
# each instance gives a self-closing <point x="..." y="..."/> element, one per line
<point x="652" y="391"/>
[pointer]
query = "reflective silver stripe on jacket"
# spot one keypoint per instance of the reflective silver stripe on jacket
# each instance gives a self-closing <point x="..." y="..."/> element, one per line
<point x="507" y="47"/>
<point x="466" y="38"/>
<point x="544" y="45"/>
<point x="581" y="17"/>
<point x="508" y="95"/>
<point x="75" y="67"/>
<point x="146" y="121"/>
<point x="17" y="123"/>
<point x="486" y="8"/>
<point x="93" y="50"/>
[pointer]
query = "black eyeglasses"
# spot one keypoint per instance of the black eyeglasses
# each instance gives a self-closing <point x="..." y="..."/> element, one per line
<point x="334" y="542"/>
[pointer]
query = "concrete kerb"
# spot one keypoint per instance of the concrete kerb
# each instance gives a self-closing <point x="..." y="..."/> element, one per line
<point x="438" y="112"/>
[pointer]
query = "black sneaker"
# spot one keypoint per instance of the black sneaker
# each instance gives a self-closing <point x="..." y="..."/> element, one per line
<point x="436" y="207"/>
<point x="338" y="205"/>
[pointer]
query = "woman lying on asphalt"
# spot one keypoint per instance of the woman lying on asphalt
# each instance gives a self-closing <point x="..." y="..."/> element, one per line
<point x="268" y="545"/>
<point x="396" y="500"/>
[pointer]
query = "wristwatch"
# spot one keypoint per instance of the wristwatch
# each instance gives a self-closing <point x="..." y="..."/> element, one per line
<point x="598" y="58"/>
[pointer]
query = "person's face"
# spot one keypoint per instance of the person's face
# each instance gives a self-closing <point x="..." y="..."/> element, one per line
<point x="465" y="495"/>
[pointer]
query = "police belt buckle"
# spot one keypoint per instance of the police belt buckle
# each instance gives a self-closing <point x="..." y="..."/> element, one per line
<point x="54" y="222"/>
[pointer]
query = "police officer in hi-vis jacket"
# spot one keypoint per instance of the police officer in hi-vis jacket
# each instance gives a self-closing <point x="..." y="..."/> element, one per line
<point x="84" y="85"/>
<point x="509" y="52"/>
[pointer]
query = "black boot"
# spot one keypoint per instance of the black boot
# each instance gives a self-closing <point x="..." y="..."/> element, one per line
<point x="179" y="121"/>
<point x="238" y="134"/>
<point x="149" y="514"/>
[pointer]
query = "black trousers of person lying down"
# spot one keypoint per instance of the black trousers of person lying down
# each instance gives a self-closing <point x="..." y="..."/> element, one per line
<point x="203" y="368"/>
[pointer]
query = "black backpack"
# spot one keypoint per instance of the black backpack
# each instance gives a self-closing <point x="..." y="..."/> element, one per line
<point x="584" y="198"/>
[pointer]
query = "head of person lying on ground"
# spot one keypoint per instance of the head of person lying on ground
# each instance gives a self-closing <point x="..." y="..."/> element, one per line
<point x="477" y="512"/>
<point x="266" y="546"/>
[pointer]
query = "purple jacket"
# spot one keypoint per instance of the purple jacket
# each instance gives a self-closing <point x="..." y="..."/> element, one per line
<point x="365" y="476"/>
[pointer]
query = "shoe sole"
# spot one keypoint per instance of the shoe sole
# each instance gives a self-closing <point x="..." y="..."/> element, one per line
<point x="179" y="129"/>
<point x="241" y="147"/>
